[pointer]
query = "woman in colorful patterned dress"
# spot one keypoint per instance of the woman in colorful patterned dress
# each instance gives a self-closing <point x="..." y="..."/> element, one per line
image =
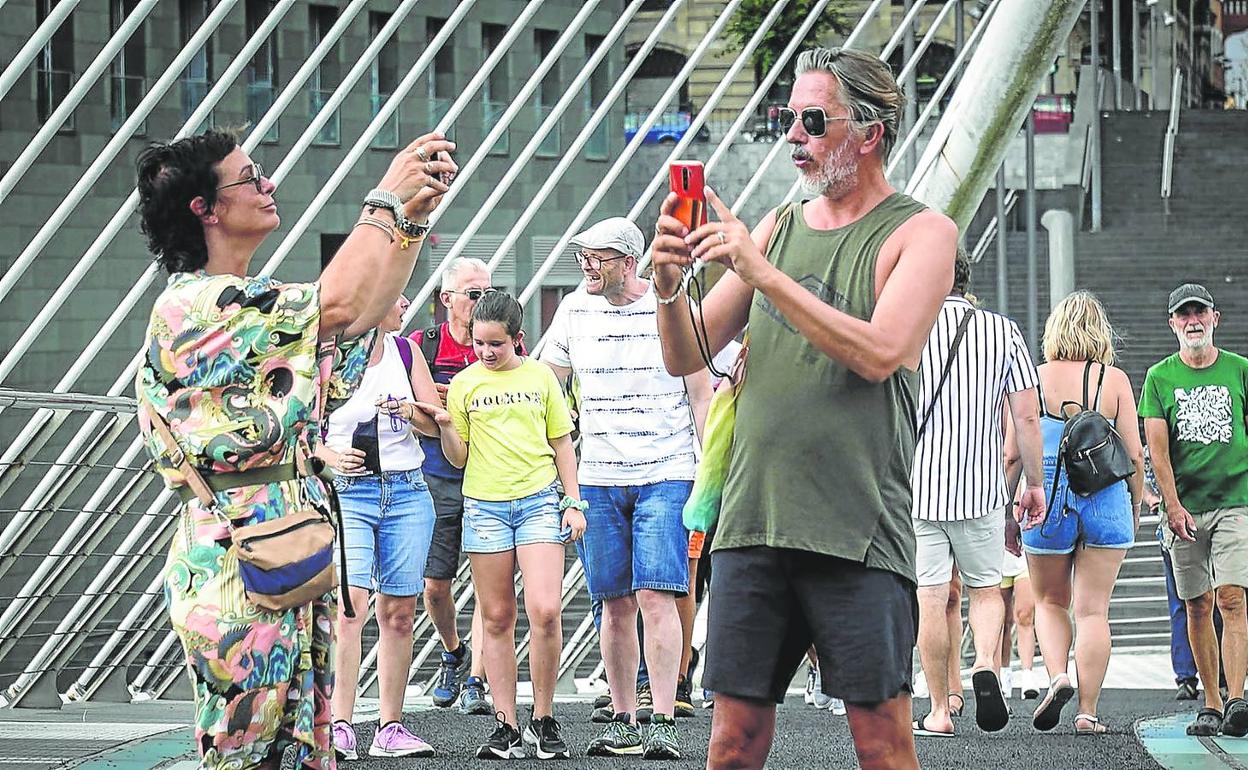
<point x="243" y="369"/>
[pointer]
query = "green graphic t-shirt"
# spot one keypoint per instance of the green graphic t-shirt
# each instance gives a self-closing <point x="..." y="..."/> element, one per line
<point x="1204" y="409"/>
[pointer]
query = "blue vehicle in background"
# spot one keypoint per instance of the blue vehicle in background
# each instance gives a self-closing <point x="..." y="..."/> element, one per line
<point x="668" y="129"/>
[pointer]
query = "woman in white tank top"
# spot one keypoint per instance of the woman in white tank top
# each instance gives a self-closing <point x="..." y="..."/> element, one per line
<point x="388" y="515"/>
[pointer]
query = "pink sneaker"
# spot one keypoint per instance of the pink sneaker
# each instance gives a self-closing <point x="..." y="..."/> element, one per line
<point x="344" y="740"/>
<point x="394" y="740"/>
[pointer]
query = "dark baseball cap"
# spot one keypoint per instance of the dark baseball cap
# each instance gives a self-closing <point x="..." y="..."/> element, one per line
<point x="1190" y="292"/>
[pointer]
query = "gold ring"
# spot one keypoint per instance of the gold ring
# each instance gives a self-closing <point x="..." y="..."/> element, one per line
<point x="722" y="238"/>
<point x="420" y="153"/>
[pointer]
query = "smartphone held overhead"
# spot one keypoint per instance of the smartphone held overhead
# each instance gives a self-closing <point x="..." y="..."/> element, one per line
<point x="688" y="182"/>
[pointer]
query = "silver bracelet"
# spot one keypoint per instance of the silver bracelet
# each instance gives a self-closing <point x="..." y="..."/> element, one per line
<point x="666" y="300"/>
<point x="378" y="224"/>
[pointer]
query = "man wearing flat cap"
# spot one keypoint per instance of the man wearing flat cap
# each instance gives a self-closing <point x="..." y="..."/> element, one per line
<point x="1193" y="407"/>
<point x="636" y="471"/>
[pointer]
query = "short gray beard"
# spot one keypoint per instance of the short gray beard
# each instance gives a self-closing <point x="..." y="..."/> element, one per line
<point x="836" y="176"/>
<point x="1200" y="345"/>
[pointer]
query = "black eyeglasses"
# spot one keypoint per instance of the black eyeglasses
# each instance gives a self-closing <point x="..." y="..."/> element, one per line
<point x="473" y="294"/>
<point x="593" y="261"/>
<point x="256" y="179"/>
<point x="814" y="120"/>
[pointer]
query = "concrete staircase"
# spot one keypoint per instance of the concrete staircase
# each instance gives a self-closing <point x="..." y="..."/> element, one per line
<point x="1148" y="246"/>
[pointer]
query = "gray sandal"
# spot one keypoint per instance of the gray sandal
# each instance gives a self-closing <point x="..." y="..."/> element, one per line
<point x="1208" y="723"/>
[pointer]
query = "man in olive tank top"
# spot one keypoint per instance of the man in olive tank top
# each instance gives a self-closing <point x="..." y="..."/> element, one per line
<point x="814" y="536"/>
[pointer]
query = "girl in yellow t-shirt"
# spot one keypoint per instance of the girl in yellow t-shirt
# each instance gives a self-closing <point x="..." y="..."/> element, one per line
<point x="507" y="424"/>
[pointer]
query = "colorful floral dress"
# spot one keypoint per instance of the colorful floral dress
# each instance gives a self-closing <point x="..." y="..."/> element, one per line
<point x="235" y="367"/>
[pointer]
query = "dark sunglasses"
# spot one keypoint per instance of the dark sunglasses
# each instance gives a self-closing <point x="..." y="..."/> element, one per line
<point x="474" y="294"/>
<point x="256" y="179"/>
<point x="814" y="120"/>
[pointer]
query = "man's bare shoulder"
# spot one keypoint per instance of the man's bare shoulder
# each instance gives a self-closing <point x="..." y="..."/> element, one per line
<point x="766" y="224"/>
<point x="928" y="224"/>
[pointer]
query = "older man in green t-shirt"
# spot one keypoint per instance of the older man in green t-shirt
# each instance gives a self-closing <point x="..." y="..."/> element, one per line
<point x="1193" y="407"/>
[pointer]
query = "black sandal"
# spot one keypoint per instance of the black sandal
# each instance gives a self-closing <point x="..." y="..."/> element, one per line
<point x="1049" y="712"/>
<point x="1208" y="723"/>
<point x="961" y="704"/>
<point x="992" y="713"/>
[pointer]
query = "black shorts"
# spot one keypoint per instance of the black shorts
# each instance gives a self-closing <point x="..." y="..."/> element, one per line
<point x="448" y="527"/>
<point x="769" y="604"/>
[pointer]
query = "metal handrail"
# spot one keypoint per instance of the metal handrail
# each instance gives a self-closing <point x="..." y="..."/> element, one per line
<point x="82" y="616"/>
<point x="1172" y="133"/>
<point x="993" y="230"/>
<point x="35" y="44"/>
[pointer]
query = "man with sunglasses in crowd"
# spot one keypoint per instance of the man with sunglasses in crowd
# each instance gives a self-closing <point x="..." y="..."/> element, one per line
<point x="814" y="535"/>
<point x="636" y="472"/>
<point x="447" y="348"/>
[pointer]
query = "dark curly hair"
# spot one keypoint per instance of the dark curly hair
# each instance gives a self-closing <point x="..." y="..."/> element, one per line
<point x="170" y="177"/>
<point x="961" y="272"/>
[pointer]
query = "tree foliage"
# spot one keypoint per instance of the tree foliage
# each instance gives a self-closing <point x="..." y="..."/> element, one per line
<point x="751" y="13"/>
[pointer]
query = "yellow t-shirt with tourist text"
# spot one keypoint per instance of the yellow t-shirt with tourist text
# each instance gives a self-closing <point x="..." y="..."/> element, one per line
<point x="507" y="419"/>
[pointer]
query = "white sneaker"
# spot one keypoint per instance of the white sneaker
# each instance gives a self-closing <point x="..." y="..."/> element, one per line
<point x="1007" y="683"/>
<point x="1029" y="684"/>
<point x="823" y="701"/>
<point x="812" y="684"/>
<point x="920" y="686"/>
<point x="838" y="707"/>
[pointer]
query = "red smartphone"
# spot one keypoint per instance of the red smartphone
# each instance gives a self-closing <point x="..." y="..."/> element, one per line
<point x="687" y="182"/>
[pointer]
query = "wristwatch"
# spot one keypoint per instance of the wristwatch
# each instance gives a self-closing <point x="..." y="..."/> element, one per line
<point x="568" y="502"/>
<point x="384" y="199"/>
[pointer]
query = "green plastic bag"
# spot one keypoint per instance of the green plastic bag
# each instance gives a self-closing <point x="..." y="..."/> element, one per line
<point x="702" y="508"/>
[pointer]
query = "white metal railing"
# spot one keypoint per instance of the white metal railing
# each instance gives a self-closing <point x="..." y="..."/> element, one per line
<point x="1172" y="135"/>
<point x="60" y="12"/>
<point x="993" y="230"/>
<point x="514" y="171"/>
<point x="123" y="381"/>
<point x="98" y="464"/>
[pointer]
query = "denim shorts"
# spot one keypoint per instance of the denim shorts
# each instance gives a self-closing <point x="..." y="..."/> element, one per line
<point x="1100" y="520"/>
<point x="635" y="538"/>
<point x="497" y="526"/>
<point x="387" y="523"/>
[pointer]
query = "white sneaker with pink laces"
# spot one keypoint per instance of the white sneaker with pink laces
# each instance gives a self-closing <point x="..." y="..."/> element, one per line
<point x="395" y="740"/>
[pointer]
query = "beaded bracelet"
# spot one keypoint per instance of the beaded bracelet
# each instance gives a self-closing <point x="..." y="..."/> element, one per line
<point x="666" y="300"/>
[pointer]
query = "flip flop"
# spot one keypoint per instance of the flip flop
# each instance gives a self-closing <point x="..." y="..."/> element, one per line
<point x="956" y="712"/>
<point x="1049" y="712"/>
<point x="1208" y="723"/>
<point x="920" y="730"/>
<point x="991" y="711"/>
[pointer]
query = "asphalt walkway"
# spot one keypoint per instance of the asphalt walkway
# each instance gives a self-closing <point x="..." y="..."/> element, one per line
<point x="154" y="735"/>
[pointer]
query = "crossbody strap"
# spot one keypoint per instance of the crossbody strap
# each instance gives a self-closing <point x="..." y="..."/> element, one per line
<point x="944" y="375"/>
<point x="203" y="492"/>
<point x="178" y="456"/>
<point x="200" y="487"/>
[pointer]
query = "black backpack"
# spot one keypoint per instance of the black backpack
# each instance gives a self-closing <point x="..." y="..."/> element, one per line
<point x="1091" y="450"/>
